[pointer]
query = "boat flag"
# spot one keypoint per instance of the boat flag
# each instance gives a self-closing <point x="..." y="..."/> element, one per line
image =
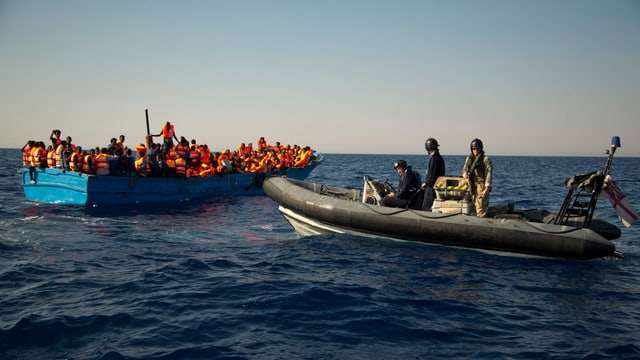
<point x="619" y="202"/>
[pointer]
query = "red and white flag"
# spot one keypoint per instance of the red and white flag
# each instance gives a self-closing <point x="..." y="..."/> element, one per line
<point x="620" y="203"/>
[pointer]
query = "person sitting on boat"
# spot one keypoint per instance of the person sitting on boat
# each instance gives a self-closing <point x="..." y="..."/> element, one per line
<point x="477" y="172"/>
<point x="26" y="152"/>
<point x="435" y="169"/>
<point x="168" y="134"/>
<point x="120" y="144"/>
<point x="62" y="156"/>
<point x="102" y="163"/>
<point x="89" y="161"/>
<point x="141" y="164"/>
<point x="38" y="157"/>
<point x="76" y="159"/>
<point x="409" y="184"/>
<point x="182" y="148"/>
<point x="181" y="166"/>
<point x="111" y="148"/>
<point x="262" y="144"/>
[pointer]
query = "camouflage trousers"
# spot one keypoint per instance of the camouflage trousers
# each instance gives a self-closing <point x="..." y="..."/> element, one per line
<point x="481" y="202"/>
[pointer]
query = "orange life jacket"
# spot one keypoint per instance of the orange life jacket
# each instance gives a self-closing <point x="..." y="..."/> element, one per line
<point x="182" y="150"/>
<point x="102" y="163"/>
<point x="142" y="167"/>
<point x="73" y="162"/>
<point x="59" y="155"/>
<point x="194" y="156"/>
<point x="51" y="158"/>
<point x="26" y="155"/>
<point x="167" y="133"/>
<point x="181" y="166"/>
<point x="88" y="159"/>
<point x="262" y="144"/>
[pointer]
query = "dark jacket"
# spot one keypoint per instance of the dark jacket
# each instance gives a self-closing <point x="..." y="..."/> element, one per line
<point x="409" y="184"/>
<point x="435" y="170"/>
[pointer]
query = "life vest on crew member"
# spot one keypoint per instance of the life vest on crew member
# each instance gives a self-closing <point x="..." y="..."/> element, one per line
<point x="102" y="164"/>
<point x="181" y="166"/>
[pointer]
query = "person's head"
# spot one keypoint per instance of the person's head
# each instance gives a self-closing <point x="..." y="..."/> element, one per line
<point x="431" y="145"/>
<point x="400" y="165"/>
<point x="477" y="147"/>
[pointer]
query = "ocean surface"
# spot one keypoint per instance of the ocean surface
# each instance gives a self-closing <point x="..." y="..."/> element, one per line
<point x="228" y="278"/>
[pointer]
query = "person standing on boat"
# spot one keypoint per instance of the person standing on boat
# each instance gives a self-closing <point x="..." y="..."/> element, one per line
<point x="477" y="172"/>
<point x="434" y="171"/>
<point x="168" y="134"/>
<point x="409" y="184"/>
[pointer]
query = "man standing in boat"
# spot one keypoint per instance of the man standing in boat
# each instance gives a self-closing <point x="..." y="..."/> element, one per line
<point x="434" y="171"/>
<point x="168" y="134"/>
<point x="409" y="184"/>
<point x="477" y="172"/>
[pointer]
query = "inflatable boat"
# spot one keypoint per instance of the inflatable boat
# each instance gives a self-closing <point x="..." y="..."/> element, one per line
<point x="573" y="232"/>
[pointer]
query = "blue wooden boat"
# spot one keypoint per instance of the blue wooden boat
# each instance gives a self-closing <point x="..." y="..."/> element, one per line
<point x="55" y="186"/>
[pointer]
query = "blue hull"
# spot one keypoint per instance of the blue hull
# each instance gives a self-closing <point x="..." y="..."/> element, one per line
<point x="54" y="186"/>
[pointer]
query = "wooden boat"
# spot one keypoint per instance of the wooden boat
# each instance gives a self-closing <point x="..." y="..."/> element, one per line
<point x="573" y="232"/>
<point x="55" y="186"/>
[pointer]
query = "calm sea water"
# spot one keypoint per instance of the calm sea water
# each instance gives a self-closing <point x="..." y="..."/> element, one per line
<point x="228" y="278"/>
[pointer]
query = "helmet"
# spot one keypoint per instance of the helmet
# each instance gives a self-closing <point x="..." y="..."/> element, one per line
<point x="400" y="164"/>
<point x="431" y="144"/>
<point x="477" y="143"/>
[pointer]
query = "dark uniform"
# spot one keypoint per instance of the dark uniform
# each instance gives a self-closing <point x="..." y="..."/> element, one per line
<point x="434" y="171"/>
<point x="409" y="184"/>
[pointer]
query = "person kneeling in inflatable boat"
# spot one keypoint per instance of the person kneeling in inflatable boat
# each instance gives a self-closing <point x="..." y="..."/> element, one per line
<point x="409" y="184"/>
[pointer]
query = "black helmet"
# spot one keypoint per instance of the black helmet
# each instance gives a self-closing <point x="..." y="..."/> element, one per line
<point x="477" y="143"/>
<point x="431" y="144"/>
<point x="400" y="164"/>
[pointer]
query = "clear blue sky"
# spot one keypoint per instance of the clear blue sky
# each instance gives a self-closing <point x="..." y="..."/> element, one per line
<point x="556" y="77"/>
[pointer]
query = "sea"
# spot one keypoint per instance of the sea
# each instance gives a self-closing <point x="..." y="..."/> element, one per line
<point x="229" y="278"/>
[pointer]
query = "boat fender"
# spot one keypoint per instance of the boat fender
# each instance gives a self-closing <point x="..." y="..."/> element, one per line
<point x="259" y="180"/>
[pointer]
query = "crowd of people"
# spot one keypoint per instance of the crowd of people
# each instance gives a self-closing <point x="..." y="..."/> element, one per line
<point x="476" y="171"/>
<point x="190" y="159"/>
<point x="182" y="159"/>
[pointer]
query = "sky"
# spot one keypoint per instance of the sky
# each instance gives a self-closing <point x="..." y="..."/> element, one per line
<point x="527" y="77"/>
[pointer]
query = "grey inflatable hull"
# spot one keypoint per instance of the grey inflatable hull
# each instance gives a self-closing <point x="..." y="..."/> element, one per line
<point x="313" y="208"/>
